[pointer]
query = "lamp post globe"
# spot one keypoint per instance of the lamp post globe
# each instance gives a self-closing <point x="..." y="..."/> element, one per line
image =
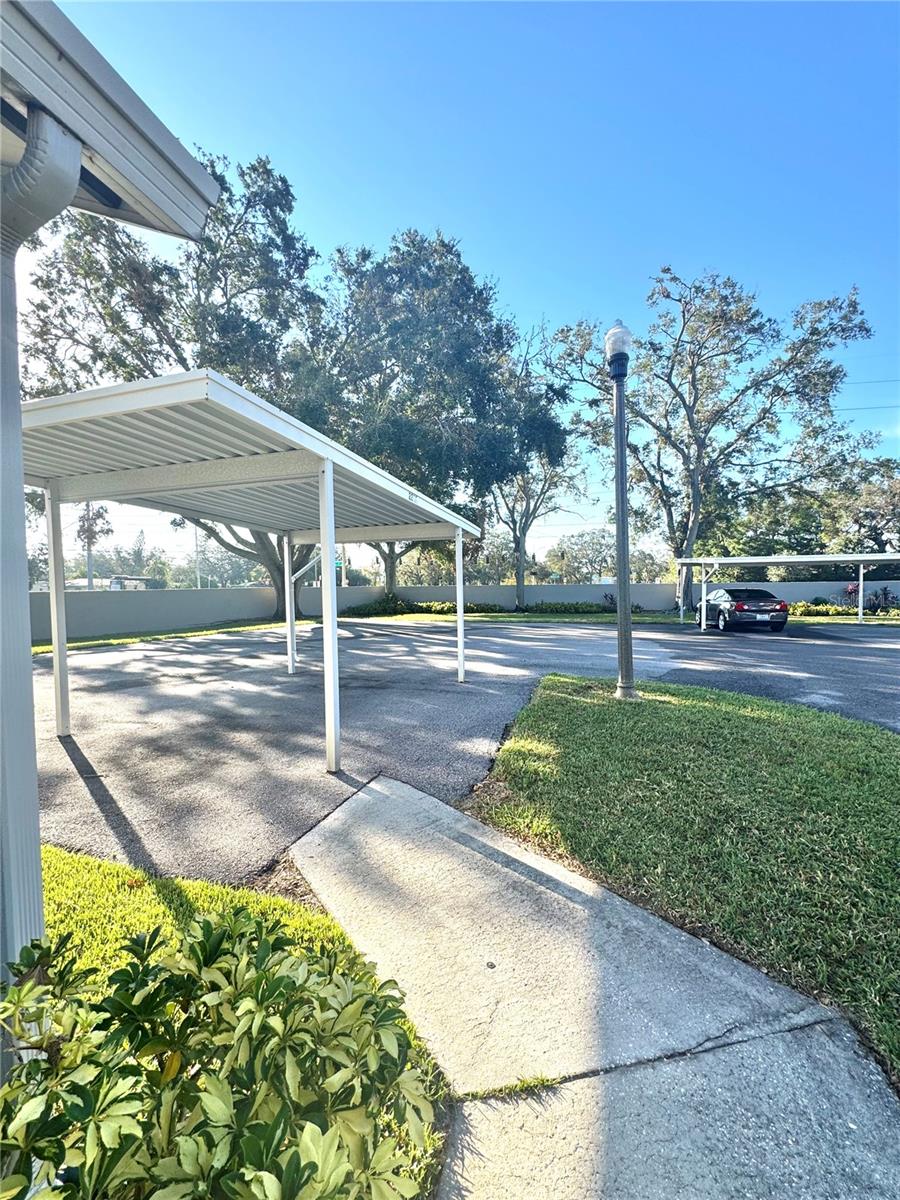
<point x="617" y="345"/>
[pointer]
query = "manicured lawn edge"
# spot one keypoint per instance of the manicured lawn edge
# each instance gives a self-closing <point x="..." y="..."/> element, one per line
<point x="103" y="903"/>
<point x="771" y="829"/>
<point x="519" y="618"/>
<point x="126" y="639"/>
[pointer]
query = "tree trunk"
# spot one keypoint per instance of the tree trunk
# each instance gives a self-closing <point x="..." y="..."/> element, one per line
<point x="687" y="579"/>
<point x="520" y="573"/>
<point x="269" y="552"/>
<point x="387" y="552"/>
<point x="390" y="569"/>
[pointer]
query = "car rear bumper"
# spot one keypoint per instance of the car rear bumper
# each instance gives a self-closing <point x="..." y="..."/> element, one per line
<point x="761" y="619"/>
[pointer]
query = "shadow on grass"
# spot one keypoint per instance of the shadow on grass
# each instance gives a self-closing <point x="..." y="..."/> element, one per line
<point x="169" y="891"/>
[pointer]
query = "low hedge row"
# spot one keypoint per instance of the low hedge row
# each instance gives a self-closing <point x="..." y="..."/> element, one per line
<point x="395" y="606"/>
<point x="449" y="606"/>
<point x="822" y="608"/>
<point x="608" y="605"/>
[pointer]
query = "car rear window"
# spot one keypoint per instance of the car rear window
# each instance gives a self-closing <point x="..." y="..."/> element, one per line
<point x="750" y="594"/>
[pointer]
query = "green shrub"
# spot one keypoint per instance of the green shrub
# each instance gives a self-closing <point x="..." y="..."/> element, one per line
<point x="570" y="606"/>
<point x="823" y="608"/>
<point x="394" y="606"/>
<point x="608" y="605"/>
<point x="448" y="607"/>
<point x="384" y="606"/>
<point x="818" y="608"/>
<point x="233" y="1067"/>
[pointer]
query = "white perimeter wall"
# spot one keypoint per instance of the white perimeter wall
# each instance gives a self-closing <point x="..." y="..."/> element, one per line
<point x="309" y="601"/>
<point x="100" y="614"/>
<point x="104" y="613"/>
<point x="655" y="597"/>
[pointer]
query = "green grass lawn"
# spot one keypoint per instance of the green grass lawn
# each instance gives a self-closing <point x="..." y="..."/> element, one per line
<point x="770" y="828"/>
<point x="103" y="903"/>
<point x="646" y="618"/>
<point x="125" y="639"/>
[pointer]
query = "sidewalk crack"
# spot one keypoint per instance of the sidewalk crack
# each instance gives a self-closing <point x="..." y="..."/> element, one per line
<point x="717" y="1041"/>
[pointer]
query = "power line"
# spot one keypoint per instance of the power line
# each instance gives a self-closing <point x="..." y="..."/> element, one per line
<point x="866" y="382"/>
<point x="864" y="407"/>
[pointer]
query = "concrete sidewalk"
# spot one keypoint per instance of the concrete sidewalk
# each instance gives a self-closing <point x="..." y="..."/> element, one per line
<point x="681" y="1072"/>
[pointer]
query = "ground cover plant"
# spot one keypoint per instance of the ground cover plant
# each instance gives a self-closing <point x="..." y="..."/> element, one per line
<point x="249" y="1054"/>
<point x="773" y="829"/>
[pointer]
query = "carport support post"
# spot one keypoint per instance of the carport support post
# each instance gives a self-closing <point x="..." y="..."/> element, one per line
<point x="704" y="579"/>
<point x="329" y="618"/>
<point x="57" y="565"/>
<point x="34" y="191"/>
<point x="460" y="610"/>
<point x="289" y="617"/>
<point x="859" y="597"/>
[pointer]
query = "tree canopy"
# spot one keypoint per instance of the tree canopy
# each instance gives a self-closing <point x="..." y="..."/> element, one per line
<point x="723" y="401"/>
<point x="403" y="356"/>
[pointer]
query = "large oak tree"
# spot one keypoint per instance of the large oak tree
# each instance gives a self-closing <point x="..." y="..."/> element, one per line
<point x="412" y="366"/>
<point x="723" y="401"/>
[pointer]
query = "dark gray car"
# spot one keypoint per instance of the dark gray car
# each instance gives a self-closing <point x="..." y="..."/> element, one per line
<point x="728" y="608"/>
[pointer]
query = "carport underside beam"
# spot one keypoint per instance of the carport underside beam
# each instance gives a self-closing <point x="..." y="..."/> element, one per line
<point x="327" y="537"/>
<point x="199" y="445"/>
<point x="437" y="531"/>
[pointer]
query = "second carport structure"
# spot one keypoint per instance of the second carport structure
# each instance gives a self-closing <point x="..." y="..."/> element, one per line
<point x="199" y="445"/>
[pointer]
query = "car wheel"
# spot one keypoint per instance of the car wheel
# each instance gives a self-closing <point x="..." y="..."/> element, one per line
<point x="722" y="621"/>
<point x="697" y="618"/>
<point x="777" y="628"/>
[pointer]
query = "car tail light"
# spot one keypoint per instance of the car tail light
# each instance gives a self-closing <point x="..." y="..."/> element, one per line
<point x="741" y="607"/>
<point x="781" y="606"/>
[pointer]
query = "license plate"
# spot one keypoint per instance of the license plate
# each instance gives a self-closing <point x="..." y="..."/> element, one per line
<point x="762" y="616"/>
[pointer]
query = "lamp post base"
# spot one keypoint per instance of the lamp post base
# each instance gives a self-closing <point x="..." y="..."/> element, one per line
<point x="626" y="692"/>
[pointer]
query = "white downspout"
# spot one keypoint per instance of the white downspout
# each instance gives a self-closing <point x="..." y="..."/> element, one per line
<point x="37" y="189"/>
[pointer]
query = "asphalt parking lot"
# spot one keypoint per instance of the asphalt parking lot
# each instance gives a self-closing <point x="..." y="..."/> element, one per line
<point x="203" y="757"/>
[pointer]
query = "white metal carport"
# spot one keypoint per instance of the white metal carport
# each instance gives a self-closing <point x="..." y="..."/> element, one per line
<point x="710" y="564"/>
<point x="199" y="445"/>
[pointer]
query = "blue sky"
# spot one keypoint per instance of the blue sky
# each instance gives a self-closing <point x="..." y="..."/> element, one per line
<point x="572" y="148"/>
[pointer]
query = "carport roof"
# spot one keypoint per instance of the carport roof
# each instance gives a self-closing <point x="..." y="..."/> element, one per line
<point x="197" y="444"/>
<point x="788" y="560"/>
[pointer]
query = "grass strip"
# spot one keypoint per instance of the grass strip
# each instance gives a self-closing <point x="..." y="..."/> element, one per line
<point x="126" y="639"/>
<point x="772" y="829"/>
<point x="529" y="618"/>
<point x="103" y="903"/>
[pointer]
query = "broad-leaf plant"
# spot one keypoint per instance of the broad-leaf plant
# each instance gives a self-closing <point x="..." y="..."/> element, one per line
<point x="231" y="1066"/>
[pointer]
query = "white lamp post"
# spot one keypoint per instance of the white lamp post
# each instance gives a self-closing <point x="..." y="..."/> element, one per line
<point x="618" y="345"/>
